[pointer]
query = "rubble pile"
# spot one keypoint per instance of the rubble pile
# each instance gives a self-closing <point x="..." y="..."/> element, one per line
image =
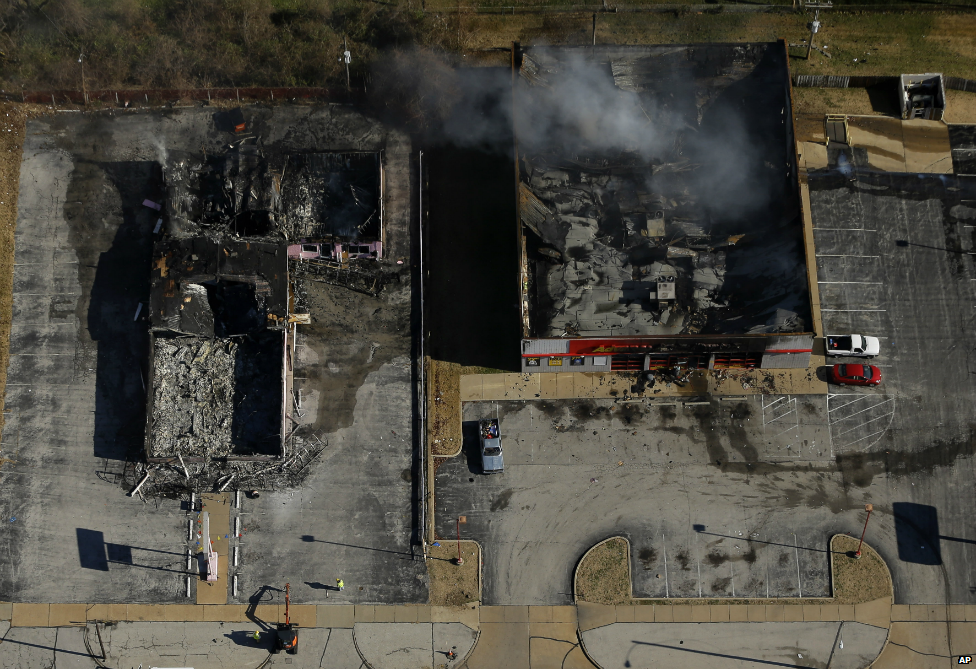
<point x="215" y="397"/>
<point x="365" y="277"/>
<point x="193" y="384"/>
<point x="247" y="192"/>
<point x="176" y="479"/>
<point x="613" y="241"/>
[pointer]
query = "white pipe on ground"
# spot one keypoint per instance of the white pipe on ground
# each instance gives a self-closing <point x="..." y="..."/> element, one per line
<point x="140" y="484"/>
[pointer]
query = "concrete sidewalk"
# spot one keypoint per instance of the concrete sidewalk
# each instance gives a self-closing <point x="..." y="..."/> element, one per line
<point x="514" y="637"/>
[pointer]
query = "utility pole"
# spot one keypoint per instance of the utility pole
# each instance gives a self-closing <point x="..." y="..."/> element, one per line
<point x="461" y="519"/>
<point x="594" y="28"/>
<point x="84" y="89"/>
<point x="869" y="508"/>
<point x="346" y="57"/>
<point x="814" y="26"/>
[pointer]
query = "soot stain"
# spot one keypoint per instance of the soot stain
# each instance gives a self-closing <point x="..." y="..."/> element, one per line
<point x="668" y="413"/>
<point x="501" y="502"/>
<point x="629" y="413"/>
<point x="683" y="560"/>
<point x="721" y="584"/>
<point x="647" y="556"/>
<point x="583" y="411"/>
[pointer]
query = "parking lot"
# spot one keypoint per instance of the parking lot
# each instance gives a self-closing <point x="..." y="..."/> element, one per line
<point x="75" y="398"/>
<point x="744" y="495"/>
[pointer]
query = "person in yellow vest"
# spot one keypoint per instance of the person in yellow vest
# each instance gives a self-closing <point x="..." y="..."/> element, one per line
<point x="256" y="636"/>
<point x="340" y="584"/>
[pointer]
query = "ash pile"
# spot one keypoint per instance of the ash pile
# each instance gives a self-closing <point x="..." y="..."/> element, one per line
<point x="658" y="193"/>
<point x="214" y="398"/>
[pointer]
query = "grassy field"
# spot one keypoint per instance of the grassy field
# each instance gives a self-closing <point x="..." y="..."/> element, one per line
<point x="12" y="119"/>
<point x="882" y="43"/>
<point x="206" y="43"/>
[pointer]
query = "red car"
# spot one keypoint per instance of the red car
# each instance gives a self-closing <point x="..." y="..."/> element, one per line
<point x="855" y="375"/>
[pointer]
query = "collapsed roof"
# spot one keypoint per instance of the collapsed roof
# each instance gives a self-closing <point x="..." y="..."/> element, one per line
<point x="247" y="192"/>
<point x="221" y="287"/>
<point x="658" y="192"/>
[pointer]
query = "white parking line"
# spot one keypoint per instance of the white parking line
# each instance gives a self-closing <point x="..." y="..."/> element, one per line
<point x="854" y="229"/>
<point x="859" y="425"/>
<point x="892" y="399"/>
<point x="842" y="255"/>
<point x="860" y="283"/>
<point x="853" y="310"/>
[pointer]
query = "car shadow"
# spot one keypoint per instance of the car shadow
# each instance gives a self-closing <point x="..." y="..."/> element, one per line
<point x="471" y="446"/>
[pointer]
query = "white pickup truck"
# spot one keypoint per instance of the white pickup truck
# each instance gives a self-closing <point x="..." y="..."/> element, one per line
<point x="857" y="346"/>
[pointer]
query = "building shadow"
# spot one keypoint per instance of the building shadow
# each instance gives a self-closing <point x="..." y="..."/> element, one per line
<point x="97" y="554"/>
<point x="917" y="533"/>
<point x="471" y="446"/>
<point x="119" y="282"/>
<point x="884" y="99"/>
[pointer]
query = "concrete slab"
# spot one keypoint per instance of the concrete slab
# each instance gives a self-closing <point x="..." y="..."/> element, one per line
<point x="70" y="651"/>
<point x="679" y="614"/>
<point x="394" y="645"/>
<point x="404" y="614"/>
<point x="501" y="645"/>
<point x="184" y="644"/>
<point x="738" y="613"/>
<point x="751" y="645"/>
<point x="234" y="613"/>
<point x="700" y="614"/>
<point x="6" y="609"/>
<point x="452" y="637"/>
<point x="548" y="653"/>
<point x="663" y="613"/>
<point x="30" y="615"/>
<point x="340" y="651"/>
<point x="590" y="615"/>
<point x="719" y="613"/>
<point x="107" y="612"/>
<point x="335" y="616"/>
<point x="66" y="615"/>
<point x="28" y="648"/>
<point x="925" y="638"/>
<point x="364" y="613"/>
<point x="901" y="612"/>
<point x="384" y="614"/>
<point x="625" y="613"/>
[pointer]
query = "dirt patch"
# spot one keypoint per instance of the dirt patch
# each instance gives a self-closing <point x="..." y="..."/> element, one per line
<point x="443" y="407"/>
<point x="451" y="585"/>
<point x="12" y="119"/>
<point x="857" y="581"/>
<point x="603" y="575"/>
<point x="960" y="107"/>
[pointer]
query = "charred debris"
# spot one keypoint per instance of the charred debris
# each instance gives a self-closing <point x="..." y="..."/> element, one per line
<point x="226" y="297"/>
<point x="650" y="239"/>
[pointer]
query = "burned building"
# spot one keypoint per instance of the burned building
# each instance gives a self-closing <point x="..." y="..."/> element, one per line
<point x="221" y="308"/>
<point x="220" y="339"/>
<point x="250" y="192"/>
<point x="660" y="217"/>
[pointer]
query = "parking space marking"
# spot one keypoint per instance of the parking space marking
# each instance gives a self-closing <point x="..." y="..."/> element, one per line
<point x="848" y="229"/>
<point x="853" y="310"/>
<point x="842" y="255"/>
<point x="881" y="409"/>
<point x="776" y="410"/>
<point x="876" y="283"/>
